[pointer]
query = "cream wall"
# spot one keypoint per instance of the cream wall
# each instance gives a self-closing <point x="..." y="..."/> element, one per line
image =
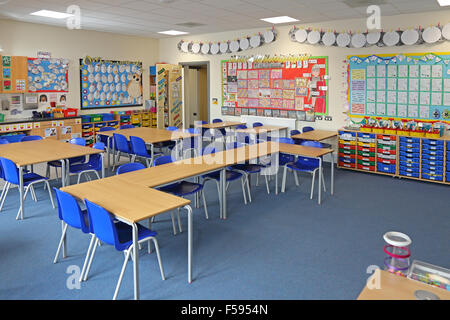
<point x="283" y="45"/>
<point x="26" y="39"/>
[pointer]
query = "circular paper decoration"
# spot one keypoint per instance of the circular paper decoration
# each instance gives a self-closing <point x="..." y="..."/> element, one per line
<point x="446" y="31"/>
<point x="195" y="48"/>
<point x="223" y="47"/>
<point x="244" y="43"/>
<point x="343" y="39"/>
<point x="205" y="48"/>
<point x="292" y="34"/>
<point x="214" y="48"/>
<point x="234" y="46"/>
<point x="373" y="37"/>
<point x="410" y="37"/>
<point x="329" y="38"/>
<point x="255" y="41"/>
<point x="313" y="37"/>
<point x="301" y="35"/>
<point x="185" y="47"/>
<point x="358" y="40"/>
<point x="391" y="38"/>
<point x="269" y="36"/>
<point x="431" y="34"/>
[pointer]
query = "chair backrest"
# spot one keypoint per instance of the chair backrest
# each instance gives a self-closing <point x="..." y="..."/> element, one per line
<point x="193" y="130"/>
<point x="10" y="171"/>
<point x="102" y="224"/>
<point x="4" y="141"/>
<point x="257" y="124"/>
<point x="283" y="140"/>
<point x="294" y="132"/>
<point x="95" y="160"/>
<point x="121" y="142"/>
<point x="172" y="128"/>
<point x="106" y="129"/>
<point x="78" y="141"/>
<point x="314" y="144"/>
<point x="30" y="138"/>
<point x="306" y="129"/>
<point x="138" y="147"/>
<point x="217" y="120"/>
<point x="69" y="211"/>
<point x="126" y="126"/>
<point x="241" y="126"/>
<point x="129" y="167"/>
<point x="162" y="160"/>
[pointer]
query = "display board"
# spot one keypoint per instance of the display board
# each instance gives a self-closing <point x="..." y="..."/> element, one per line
<point x="48" y="75"/>
<point x="169" y="100"/>
<point x="13" y="74"/>
<point x="282" y="87"/>
<point x="109" y="84"/>
<point x="402" y="86"/>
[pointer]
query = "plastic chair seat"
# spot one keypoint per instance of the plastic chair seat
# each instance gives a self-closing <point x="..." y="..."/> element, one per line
<point x="32" y="177"/>
<point x="77" y="168"/>
<point x="230" y="175"/>
<point x="249" y="168"/>
<point x="125" y="234"/>
<point x="304" y="166"/>
<point x="182" y="188"/>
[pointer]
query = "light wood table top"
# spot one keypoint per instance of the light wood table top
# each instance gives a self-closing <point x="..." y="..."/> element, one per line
<point x="315" y="135"/>
<point x="151" y="135"/>
<point x="126" y="200"/>
<point x="303" y="151"/>
<point x="38" y="151"/>
<point x="220" y="125"/>
<point x="260" y="129"/>
<point x="394" y="287"/>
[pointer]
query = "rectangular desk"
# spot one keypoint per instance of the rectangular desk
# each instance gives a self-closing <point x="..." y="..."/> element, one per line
<point x="132" y="203"/>
<point x="219" y="125"/>
<point x="315" y="135"/>
<point x="394" y="287"/>
<point x="39" y="151"/>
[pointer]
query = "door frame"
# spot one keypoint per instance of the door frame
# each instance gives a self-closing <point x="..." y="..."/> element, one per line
<point x="208" y="70"/>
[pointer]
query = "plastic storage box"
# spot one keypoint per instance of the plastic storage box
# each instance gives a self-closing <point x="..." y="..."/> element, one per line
<point x="430" y="274"/>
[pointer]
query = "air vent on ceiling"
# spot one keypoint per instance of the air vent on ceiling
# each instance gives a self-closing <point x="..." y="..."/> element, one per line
<point x="362" y="3"/>
<point x="190" y="24"/>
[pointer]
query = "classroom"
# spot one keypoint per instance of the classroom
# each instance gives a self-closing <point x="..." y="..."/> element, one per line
<point x="225" y="150"/>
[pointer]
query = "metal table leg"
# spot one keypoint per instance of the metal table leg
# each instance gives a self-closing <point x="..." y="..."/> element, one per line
<point x="332" y="173"/>
<point x="223" y="186"/>
<point x="320" y="180"/>
<point x="135" y="261"/>
<point x="190" y="241"/>
<point x="63" y="182"/>
<point x="22" y="209"/>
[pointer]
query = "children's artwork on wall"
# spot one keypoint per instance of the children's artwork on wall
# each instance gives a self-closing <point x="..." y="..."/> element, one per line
<point x="400" y="86"/>
<point x="48" y="75"/>
<point x="288" y="84"/>
<point x="109" y="84"/>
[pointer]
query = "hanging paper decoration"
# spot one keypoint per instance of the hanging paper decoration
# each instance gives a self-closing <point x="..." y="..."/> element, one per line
<point x="350" y="39"/>
<point x="229" y="46"/>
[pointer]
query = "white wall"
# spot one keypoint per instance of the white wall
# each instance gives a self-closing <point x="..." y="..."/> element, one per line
<point x="283" y="45"/>
<point x="26" y="39"/>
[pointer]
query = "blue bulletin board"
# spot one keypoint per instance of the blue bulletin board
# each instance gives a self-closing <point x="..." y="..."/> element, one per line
<point x="401" y="86"/>
<point x="109" y="84"/>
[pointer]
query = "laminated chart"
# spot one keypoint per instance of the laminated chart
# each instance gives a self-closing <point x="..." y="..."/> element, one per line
<point x="401" y="86"/>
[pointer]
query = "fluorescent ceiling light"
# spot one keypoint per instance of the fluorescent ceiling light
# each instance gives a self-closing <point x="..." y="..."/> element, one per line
<point x="173" y="32"/>
<point x="283" y="19"/>
<point x="444" y="3"/>
<point x="51" y="14"/>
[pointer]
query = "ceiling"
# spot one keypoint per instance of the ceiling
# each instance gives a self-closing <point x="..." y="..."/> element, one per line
<point x="147" y="17"/>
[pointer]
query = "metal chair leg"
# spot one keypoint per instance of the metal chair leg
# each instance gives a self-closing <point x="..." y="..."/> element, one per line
<point x="24" y="197"/>
<point x="4" y="194"/>
<point x="91" y="243"/>
<point x="312" y="184"/>
<point x="90" y="260"/>
<point x="125" y="261"/>
<point x="248" y="188"/>
<point x="50" y="194"/>
<point x="173" y="223"/>
<point x="63" y="235"/>
<point x="267" y="184"/>
<point x="204" y="204"/>
<point x="296" y="178"/>
<point x="33" y="194"/>
<point x="283" y="181"/>
<point x="179" y="220"/>
<point x="243" y="189"/>
<point x="159" y="258"/>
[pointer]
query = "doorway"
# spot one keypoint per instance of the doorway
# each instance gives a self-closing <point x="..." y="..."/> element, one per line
<point x="196" y="92"/>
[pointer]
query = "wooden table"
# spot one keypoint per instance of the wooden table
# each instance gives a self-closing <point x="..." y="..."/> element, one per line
<point x="39" y="151"/>
<point x="219" y="125"/>
<point x="315" y="135"/>
<point x="310" y="152"/>
<point x="129" y="202"/>
<point x="394" y="287"/>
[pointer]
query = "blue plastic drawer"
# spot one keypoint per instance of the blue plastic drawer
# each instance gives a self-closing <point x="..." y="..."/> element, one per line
<point x="99" y="125"/>
<point x="432" y="158"/>
<point x="448" y="145"/>
<point x="87" y="126"/>
<point x="433" y="142"/>
<point x="107" y="116"/>
<point x="448" y="177"/>
<point x="410" y="150"/>
<point x="409" y="145"/>
<point x="404" y="164"/>
<point x="432" y="162"/>
<point x="438" y="169"/>
<point x="409" y="140"/>
<point x="409" y="160"/>
<point x="387" y="168"/>
<point x="432" y="148"/>
<point x="409" y="170"/>
<point x="409" y="174"/>
<point x="433" y="153"/>
<point x="366" y="135"/>
<point x="113" y="123"/>
<point x="432" y="177"/>
<point x="347" y="160"/>
<point x="411" y="155"/>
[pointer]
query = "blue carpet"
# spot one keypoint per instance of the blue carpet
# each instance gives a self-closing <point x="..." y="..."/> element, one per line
<point x="282" y="246"/>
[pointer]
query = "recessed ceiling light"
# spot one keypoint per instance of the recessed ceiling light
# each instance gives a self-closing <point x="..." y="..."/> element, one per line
<point x="51" y="14"/>
<point x="283" y="19"/>
<point x="444" y="3"/>
<point x="173" y="32"/>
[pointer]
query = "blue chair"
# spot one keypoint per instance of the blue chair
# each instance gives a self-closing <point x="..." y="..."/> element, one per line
<point x="70" y="213"/>
<point x="129" y="167"/>
<point x="102" y="137"/>
<point x="257" y="124"/>
<point x="119" y="235"/>
<point x="139" y="150"/>
<point x="172" y="128"/>
<point x="11" y="176"/>
<point x="305" y="164"/>
<point x="306" y="129"/>
<point x="223" y="132"/>
<point x="2" y="176"/>
<point x="57" y="164"/>
<point x="293" y="133"/>
<point x="180" y="189"/>
<point x="122" y="146"/>
<point x="126" y="126"/>
<point x="93" y="165"/>
<point x="30" y="138"/>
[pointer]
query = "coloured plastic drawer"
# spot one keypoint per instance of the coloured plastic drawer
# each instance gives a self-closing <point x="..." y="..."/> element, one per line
<point x="448" y="145"/>
<point x="409" y="145"/>
<point x="347" y="165"/>
<point x="366" y="140"/>
<point x="413" y="155"/>
<point x="386" y="137"/>
<point x="432" y="148"/>
<point x="432" y="158"/>
<point x="433" y="153"/>
<point x="347" y="133"/>
<point x="432" y="162"/>
<point x="366" y="154"/>
<point x="366" y="135"/>
<point x="385" y="168"/>
<point x="363" y="149"/>
<point x="409" y="140"/>
<point x="448" y="176"/>
<point x="366" y="167"/>
<point x="386" y="146"/>
<point x="361" y="157"/>
<point x="347" y="147"/>
<point x="366" y="163"/>
<point x="86" y="126"/>
<point x="387" y="156"/>
<point x="347" y="152"/>
<point x="448" y="154"/>
<point x="433" y="142"/>
<point x="345" y="142"/>
<point x="409" y="174"/>
<point x="387" y="152"/>
<point x="409" y="169"/>
<point x="96" y="117"/>
<point x="409" y="150"/>
<point x="112" y="123"/>
<point x="387" y="142"/>
<point x="405" y="164"/>
<point x="432" y="177"/>
<point x="386" y="161"/>
<point x="347" y="160"/>
<point x="107" y="116"/>
<point x="367" y="145"/>
<point x="85" y="118"/>
<point x="433" y="169"/>
<point x="99" y="125"/>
